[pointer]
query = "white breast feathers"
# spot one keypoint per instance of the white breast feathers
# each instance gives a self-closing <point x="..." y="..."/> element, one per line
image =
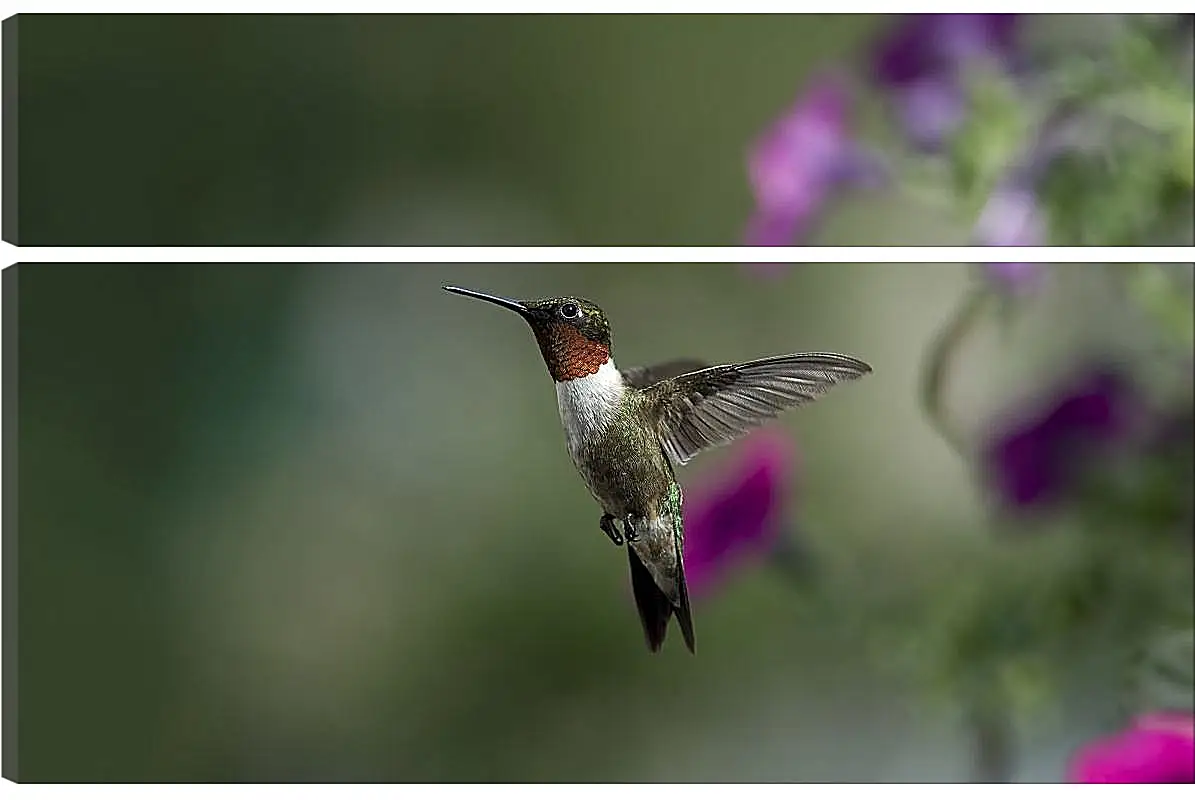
<point x="588" y="404"/>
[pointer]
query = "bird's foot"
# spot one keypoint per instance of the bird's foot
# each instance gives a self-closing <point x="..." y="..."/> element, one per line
<point x="628" y="525"/>
<point x="607" y="525"/>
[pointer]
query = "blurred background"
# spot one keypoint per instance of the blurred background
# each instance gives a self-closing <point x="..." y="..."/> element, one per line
<point x="418" y="129"/>
<point x="318" y="523"/>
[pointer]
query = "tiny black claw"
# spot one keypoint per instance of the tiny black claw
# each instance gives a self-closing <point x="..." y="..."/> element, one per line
<point x="629" y="528"/>
<point x="607" y="525"/>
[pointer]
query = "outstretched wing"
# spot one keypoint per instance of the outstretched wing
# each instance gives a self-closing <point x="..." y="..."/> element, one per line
<point x="714" y="406"/>
<point x="642" y="377"/>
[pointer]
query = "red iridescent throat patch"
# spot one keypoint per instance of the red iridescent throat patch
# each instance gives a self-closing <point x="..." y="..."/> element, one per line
<point x="569" y="354"/>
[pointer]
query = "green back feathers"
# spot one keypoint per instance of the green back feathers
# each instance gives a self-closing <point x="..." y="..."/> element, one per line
<point x="674" y="508"/>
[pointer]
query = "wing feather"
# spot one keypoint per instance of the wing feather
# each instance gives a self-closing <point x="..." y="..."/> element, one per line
<point x="642" y="377"/>
<point x="705" y="408"/>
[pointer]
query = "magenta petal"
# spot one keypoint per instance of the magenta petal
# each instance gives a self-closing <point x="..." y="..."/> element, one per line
<point x="795" y="165"/>
<point x="1148" y="752"/>
<point x="741" y="513"/>
<point x="771" y="230"/>
<point x="787" y="163"/>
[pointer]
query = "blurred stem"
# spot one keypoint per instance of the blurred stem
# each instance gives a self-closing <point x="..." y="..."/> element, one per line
<point x="992" y="738"/>
<point x="941" y="357"/>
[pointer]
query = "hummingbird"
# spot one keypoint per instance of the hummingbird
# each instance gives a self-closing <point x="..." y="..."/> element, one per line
<point x="628" y="429"/>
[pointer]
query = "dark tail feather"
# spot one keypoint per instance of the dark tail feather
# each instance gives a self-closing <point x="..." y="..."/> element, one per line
<point x="683" y="617"/>
<point x="655" y="609"/>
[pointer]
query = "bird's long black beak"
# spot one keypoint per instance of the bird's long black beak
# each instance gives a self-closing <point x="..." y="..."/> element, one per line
<point x="513" y="305"/>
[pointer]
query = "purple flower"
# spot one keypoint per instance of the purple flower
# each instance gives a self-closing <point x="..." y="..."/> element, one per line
<point x="798" y="163"/>
<point x="921" y="62"/>
<point x="929" y="110"/>
<point x="1035" y="461"/>
<point x="739" y="516"/>
<point x="1010" y="218"/>
<point x="1156" y="748"/>
<point x="925" y="45"/>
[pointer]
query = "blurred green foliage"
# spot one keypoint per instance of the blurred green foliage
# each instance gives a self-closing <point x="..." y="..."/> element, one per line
<point x="1139" y="100"/>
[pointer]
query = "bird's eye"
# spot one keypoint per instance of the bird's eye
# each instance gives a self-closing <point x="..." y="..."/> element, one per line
<point x="570" y="311"/>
